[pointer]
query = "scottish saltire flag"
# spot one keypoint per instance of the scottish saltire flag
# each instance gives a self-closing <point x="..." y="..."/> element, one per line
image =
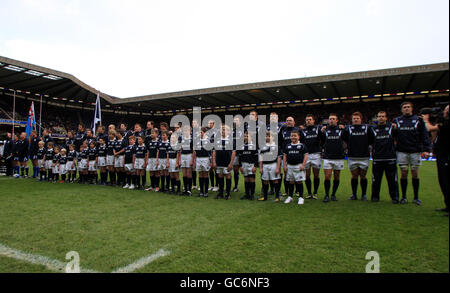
<point x="97" y="115"/>
<point x="31" y="124"/>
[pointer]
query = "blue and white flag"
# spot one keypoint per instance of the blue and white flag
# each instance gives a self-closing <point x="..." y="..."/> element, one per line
<point x="97" y="115"/>
<point x="31" y="124"/>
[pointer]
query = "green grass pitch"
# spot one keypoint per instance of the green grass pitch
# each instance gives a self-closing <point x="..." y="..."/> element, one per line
<point x="111" y="228"/>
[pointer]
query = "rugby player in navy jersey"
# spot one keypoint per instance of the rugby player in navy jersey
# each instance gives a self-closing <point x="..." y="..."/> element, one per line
<point x="248" y="161"/>
<point x="284" y="137"/>
<point x="92" y="162"/>
<point x="384" y="158"/>
<point x="358" y="138"/>
<point x="34" y="140"/>
<point x="163" y="146"/>
<point x="333" y="156"/>
<point x="79" y="137"/>
<point x="270" y="166"/>
<point x="186" y="159"/>
<point x="148" y="131"/>
<point x="128" y="163"/>
<point x="46" y="137"/>
<point x="140" y="160"/>
<point x="413" y="142"/>
<point x="101" y="133"/>
<point x="312" y="137"/>
<point x="153" y="164"/>
<point x="202" y="161"/>
<point x="101" y="162"/>
<point x="295" y="156"/>
<point x="89" y="138"/>
<point x="138" y="132"/>
<point x="69" y="140"/>
<point x="222" y="160"/>
<point x="21" y="156"/>
<point x="119" y="152"/>
<point x="110" y="157"/>
<point x="173" y="164"/>
<point x="125" y="133"/>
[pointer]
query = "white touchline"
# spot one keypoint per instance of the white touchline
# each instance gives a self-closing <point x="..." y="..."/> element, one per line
<point x="142" y="262"/>
<point x="51" y="264"/>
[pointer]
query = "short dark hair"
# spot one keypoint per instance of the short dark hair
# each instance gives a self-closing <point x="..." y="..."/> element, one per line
<point x="406" y="103"/>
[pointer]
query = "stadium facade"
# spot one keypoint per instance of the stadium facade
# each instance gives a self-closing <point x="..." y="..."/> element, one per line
<point x="30" y="82"/>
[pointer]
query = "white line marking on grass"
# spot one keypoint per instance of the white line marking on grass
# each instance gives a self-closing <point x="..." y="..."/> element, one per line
<point x="51" y="264"/>
<point x="142" y="262"/>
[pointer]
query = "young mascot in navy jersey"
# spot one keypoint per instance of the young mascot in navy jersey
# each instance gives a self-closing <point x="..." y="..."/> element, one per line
<point x="129" y="152"/>
<point x="62" y="162"/>
<point x="270" y="166"/>
<point x="110" y="157"/>
<point x="173" y="164"/>
<point x="384" y="158"/>
<point x="140" y="161"/>
<point x="119" y="150"/>
<point x="71" y="166"/>
<point x="275" y="120"/>
<point x="285" y="139"/>
<point x="312" y="136"/>
<point x="92" y="162"/>
<point x="222" y="159"/>
<point x="202" y="161"/>
<point x="163" y="146"/>
<point x="248" y="158"/>
<point x="48" y="160"/>
<point x="83" y="163"/>
<point x="41" y="163"/>
<point x="358" y="138"/>
<point x="333" y="156"/>
<point x="101" y="162"/>
<point x="153" y="163"/>
<point x="412" y="143"/>
<point x="295" y="158"/>
<point x="186" y="159"/>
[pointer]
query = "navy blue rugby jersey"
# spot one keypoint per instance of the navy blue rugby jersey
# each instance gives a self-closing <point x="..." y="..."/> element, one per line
<point x="295" y="153"/>
<point x="224" y="150"/>
<point x="140" y="151"/>
<point x="312" y="137"/>
<point x="333" y="145"/>
<point x="248" y="154"/>
<point x="358" y="139"/>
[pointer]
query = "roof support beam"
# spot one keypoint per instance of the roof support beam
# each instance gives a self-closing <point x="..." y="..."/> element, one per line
<point x="408" y="86"/>
<point x="291" y="93"/>
<point x="313" y="91"/>
<point x="254" y="99"/>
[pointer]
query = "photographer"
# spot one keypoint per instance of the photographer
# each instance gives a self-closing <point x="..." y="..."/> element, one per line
<point x="7" y="154"/>
<point x="439" y="128"/>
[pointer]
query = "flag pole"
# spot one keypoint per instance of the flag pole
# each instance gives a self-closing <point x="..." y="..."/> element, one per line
<point x="40" y="117"/>
<point x="14" y="114"/>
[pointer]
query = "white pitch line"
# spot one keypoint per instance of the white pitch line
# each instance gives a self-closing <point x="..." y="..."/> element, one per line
<point x="142" y="262"/>
<point x="51" y="264"/>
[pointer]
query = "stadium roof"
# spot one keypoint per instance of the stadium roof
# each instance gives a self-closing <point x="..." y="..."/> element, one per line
<point x="64" y="88"/>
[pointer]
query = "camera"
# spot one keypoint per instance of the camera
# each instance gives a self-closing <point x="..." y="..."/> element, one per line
<point x="436" y="114"/>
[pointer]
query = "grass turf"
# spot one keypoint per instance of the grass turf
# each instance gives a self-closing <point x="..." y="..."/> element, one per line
<point x="111" y="228"/>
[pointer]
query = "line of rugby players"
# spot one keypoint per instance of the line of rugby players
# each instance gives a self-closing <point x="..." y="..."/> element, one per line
<point x="292" y="155"/>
